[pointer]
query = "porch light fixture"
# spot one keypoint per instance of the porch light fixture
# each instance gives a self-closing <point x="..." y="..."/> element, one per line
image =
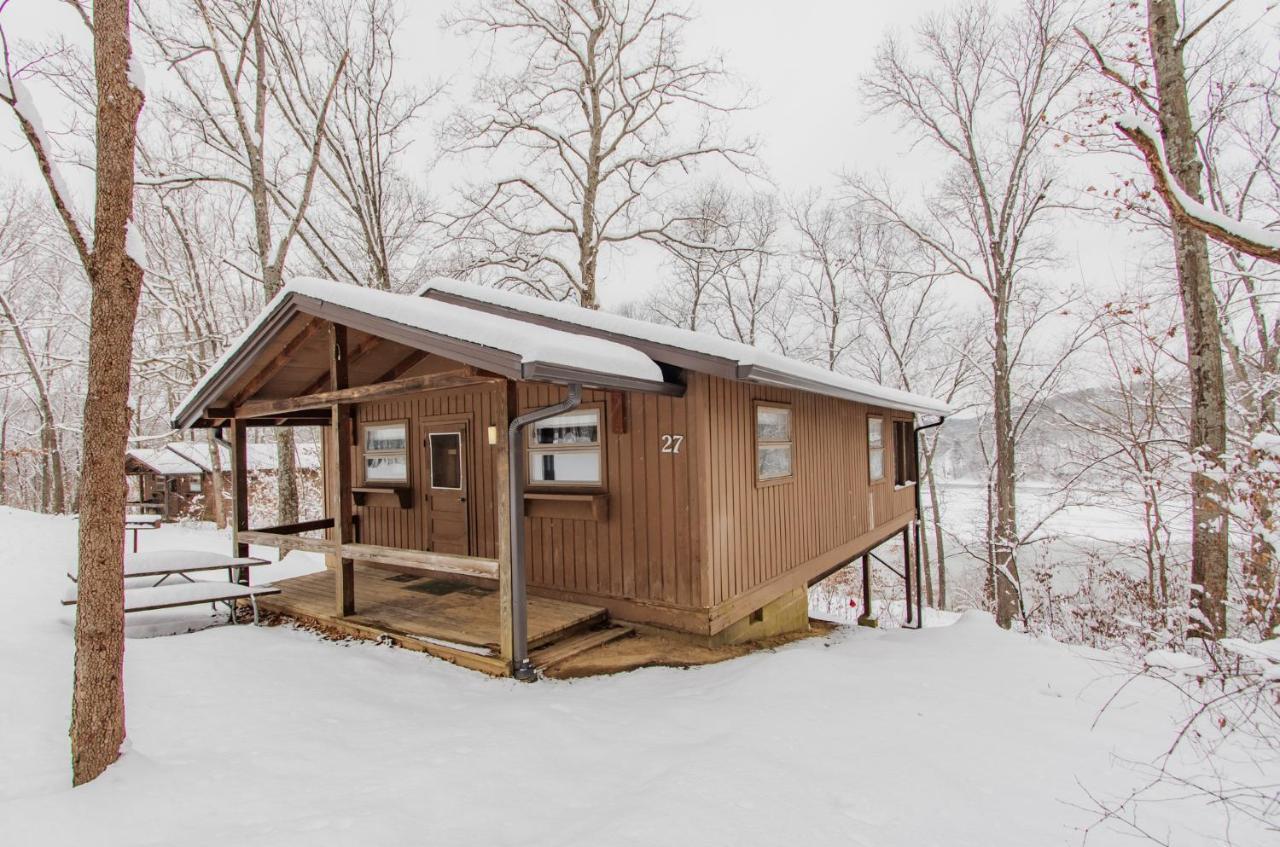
<point x="493" y="436"/>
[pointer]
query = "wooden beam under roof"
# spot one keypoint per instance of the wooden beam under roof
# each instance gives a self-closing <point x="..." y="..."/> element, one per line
<point x="262" y="377"/>
<point x="374" y="391"/>
<point x="353" y="356"/>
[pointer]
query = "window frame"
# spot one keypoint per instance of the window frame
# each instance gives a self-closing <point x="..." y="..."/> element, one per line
<point x="364" y="454"/>
<point x="904" y="457"/>
<point x="883" y="448"/>
<point x="757" y="443"/>
<point x="431" y="460"/>
<point x="532" y="450"/>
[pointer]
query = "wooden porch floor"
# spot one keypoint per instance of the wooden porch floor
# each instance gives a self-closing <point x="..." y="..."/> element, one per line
<point x="419" y="612"/>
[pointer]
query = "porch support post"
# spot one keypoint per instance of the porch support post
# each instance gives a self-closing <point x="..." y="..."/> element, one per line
<point x="339" y="454"/>
<point x="907" y="574"/>
<point x="867" y="618"/>
<point x="507" y="406"/>
<point x="239" y="493"/>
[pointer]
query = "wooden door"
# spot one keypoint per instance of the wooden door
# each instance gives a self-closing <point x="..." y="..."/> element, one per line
<point x="445" y="451"/>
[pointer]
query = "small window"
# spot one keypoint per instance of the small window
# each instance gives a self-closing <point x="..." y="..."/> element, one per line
<point x="565" y="450"/>
<point x="875" y="447"/>
<point x="386" y="460"/>
<point x="773" y="443"/>
<point x="446" y="460"/>
<point x="904" y="453"/>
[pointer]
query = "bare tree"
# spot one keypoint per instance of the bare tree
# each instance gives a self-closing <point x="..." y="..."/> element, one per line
<point x="831" y="240"/>
<point x="703" y="253"/>
<point x="22" y="273"/>
<point x="221" y="56"/>
<point x="581" y="136"/>
<point x="110" y="262"/>
<point x="370" y="230"/>
<point x="985" y="90"/>
<point x="751" y="291"/>
<point x="913" y="338"/>
<point x="1178" y="169"/>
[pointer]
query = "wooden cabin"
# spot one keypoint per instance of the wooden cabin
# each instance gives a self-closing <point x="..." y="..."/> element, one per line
<point x="175" y="480"/>
<point x="507" y="477"/>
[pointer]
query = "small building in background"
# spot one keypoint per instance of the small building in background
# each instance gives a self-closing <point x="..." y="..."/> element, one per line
<point x="175" y="480"/>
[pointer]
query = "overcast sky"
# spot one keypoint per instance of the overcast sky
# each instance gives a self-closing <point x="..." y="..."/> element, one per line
<point x="803" y="59"/>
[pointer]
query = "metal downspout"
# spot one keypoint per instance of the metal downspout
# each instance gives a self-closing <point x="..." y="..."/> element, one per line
<point x="521" y="667"/>
<point x="915" y="431"/>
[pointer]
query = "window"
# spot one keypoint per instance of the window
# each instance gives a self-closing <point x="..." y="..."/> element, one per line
<point x="875" y="447"/>
<point x="773" y="442"/>
<point x="904" y="453"/>
<point x="565" y="450"/>
<point x="446" y="460"/>
<point x="386" y="459"/>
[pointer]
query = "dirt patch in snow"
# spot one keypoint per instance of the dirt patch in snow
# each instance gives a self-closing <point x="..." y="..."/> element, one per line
<point x="650" y="650"/>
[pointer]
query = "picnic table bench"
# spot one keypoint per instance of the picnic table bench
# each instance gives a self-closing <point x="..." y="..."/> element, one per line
<point x="144" y="592"/>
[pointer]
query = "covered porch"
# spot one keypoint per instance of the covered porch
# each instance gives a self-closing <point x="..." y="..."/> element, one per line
<point x="446" y="617"/>
<point x="320" y="353"/>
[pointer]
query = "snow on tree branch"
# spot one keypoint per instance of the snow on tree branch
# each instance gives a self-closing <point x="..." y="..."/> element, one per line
<point x="1238" y="235"/>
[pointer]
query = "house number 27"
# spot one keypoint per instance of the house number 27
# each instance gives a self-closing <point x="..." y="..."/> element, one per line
<point x="671" y="443"/>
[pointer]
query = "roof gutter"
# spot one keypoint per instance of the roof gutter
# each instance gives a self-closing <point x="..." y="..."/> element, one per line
<point x="520" y="664"/>
<point x="769" y="376"/>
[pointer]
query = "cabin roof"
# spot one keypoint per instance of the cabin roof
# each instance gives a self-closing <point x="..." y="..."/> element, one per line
<point x="258" y="457"/>
<point x="162" y="460"/>
<point x="517" y="349"/>
<point x="515" y="336"/>
<point x="180" y="458"/>
<point x="681" y="347"/>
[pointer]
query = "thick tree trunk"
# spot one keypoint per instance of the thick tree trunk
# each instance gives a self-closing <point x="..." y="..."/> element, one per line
<point x="1208" y="426"/>
<point x="97" y="714"/>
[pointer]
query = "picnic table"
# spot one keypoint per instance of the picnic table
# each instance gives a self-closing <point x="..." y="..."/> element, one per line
<point x="163" y="579"/>
<point x="136" y="522"/>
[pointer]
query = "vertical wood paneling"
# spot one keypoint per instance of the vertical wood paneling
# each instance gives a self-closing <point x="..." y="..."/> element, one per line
<point x="757" y="533"/>
<point x="690" y="530"/>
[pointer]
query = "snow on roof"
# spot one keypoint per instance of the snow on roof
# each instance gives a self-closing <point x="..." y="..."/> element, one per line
<point x="163" y="461"/>
<point x="533" y="344"/>
<point x="744" y="355"/>
<point x="259" y="457"/>
<point x="186" y="457"/>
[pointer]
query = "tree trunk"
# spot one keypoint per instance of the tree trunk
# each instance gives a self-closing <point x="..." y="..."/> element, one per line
<point x="4" y="461"/>
<point x="935" y="518"/>
<point x="1208" y="426"/>
<point x="218" y="507"/>
<point x="52" y="482"/>
<point x="97" y="713"/>
<point x="1004" y="525"/>
<point x="286" y="477"/>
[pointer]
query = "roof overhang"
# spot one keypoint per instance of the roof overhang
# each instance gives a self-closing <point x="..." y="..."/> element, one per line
<point x="243" y="356"/>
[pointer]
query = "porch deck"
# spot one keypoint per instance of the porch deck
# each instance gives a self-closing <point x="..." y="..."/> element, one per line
<point x="451" y="619"/>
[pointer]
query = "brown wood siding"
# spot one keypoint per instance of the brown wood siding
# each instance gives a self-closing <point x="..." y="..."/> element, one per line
<point x="756" y="533"/>
<point x="646" y="549"/>
<point x="384" y="523"/>
<point x="689" y="535"/>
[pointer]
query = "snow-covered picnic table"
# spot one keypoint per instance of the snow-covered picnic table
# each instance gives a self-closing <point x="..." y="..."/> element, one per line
<point x="136" y="522"/>
<point x="148" y="585"/>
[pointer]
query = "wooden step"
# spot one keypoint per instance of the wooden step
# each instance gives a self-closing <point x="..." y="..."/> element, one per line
<point x="588" y="618"/>
<point x="567" y="647"/>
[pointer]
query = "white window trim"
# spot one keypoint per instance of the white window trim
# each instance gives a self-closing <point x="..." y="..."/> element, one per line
<point x="366" y="454"/>
<point x="534" y="450"/>
<point x="789" y="443"/>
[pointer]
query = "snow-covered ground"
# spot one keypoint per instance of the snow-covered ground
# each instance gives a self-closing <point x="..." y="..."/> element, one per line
<point x="956" y="735"/>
